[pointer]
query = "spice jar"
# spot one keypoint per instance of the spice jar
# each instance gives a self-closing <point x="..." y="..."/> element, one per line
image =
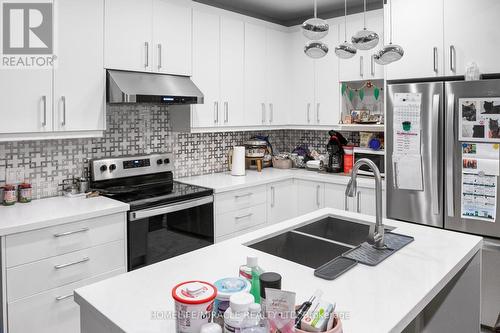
<point x="25" y="192"/>
<point x="9" y="195"/>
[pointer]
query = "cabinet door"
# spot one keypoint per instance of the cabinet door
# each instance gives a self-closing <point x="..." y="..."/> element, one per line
<point x="26" y="103"/>
<point x="255" y="75"/>
<point x="128" y="32"/>
<point x="354" y="68"/>
<point x="232" y="71"/>
<point x="310" y="196"/>
<point x="470" y="36"/>
<point x="79" y="80"/>
<point x="335" y="196"/>
<point x="302" y="82"/>
<point x="374" y="22"/>
<point x="280" y="201"/>
<point x="327" y="101"/>
<point x="172" y="37"/>
<point x="367" y="201"/>
<point x="206" y="68"/>
<point x="278" y="77"/>
<point x="424" y="56"/>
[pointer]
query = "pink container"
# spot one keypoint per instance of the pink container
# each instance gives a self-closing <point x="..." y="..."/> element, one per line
<point x="337" y="326"/>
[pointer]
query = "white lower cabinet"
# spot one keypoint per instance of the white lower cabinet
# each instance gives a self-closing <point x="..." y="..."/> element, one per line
<point x="44" y="267"/>
<point x="310" y="196"/>
<point x="335" y="198"/>
<point x="281" y="199"/>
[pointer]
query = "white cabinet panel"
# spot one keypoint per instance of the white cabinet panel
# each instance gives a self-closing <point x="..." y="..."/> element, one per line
<point x="79" y="85"/>
<point x="239" y="199"/>
<point x="256" y="107"/>
<point x="334" y="196"/>
<point x="206" y="68"/>
<point x="232" y="73"/>
<point x="310" y="196"/>
<point x="172" y="37"/>
<point x="421" y="39"/>
<point x="281" y="199"/>
<point x="469" y="30"/>
<point x="128" y="32"/>
<point x="244" y="219"/>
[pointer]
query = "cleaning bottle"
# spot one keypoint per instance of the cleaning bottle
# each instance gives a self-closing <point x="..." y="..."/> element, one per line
<point x="251" y="271"/>
<point x="254" y="322"/>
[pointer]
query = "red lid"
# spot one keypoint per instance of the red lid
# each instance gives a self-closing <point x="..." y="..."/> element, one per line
<point x="194" y="292"/>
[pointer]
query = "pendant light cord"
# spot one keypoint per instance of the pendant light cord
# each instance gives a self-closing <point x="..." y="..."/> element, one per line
<point x="345" y="20"/>
<point x="315" y="9"/>
<point x="364" y="15"/>
<point x="390" y="22"/>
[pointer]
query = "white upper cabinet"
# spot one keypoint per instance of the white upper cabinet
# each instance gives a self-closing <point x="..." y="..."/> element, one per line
<point x="418" y="27"/>
<point x="148" y="35"/>
<point x="362" y="66"/>
<point x="232" y="71"/>
<point x="172" y="22"/>
<point x="128" y="34"/>
<point x="470" y="35"/>
<point x="79" y="78"/>
<point x="206" y="68"/>
<point x="256" y="107"/>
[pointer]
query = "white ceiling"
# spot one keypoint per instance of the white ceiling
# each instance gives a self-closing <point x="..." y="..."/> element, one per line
<point x="291" y="12"/>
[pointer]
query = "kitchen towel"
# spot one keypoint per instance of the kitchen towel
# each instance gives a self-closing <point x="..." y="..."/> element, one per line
<point x="238" y="165"/>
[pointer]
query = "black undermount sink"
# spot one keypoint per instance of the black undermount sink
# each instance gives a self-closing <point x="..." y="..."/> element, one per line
<point x="316" y="243"/>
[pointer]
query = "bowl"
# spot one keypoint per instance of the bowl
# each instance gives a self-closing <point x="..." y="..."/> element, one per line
<point x="337" y="326"/>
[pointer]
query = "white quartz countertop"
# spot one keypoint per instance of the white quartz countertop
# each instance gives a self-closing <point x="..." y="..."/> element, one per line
<point x="53" y="211"/>
<point x="384" y="298"/>
<point x="224" y="181"/>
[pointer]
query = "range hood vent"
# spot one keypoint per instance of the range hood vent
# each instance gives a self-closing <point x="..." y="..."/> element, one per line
<point x="138" y="87"/>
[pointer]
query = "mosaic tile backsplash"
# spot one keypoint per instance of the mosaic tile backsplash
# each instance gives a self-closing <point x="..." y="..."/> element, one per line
<point x="139" y="129"/>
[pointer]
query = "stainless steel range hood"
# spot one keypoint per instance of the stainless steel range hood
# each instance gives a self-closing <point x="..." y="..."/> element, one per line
<point x="137" y="87"/>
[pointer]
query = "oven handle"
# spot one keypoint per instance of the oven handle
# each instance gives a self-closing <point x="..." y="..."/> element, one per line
<point x="145" y="213"/>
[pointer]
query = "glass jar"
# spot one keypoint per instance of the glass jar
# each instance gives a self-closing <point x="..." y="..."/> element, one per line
<point x="9" y="195"/>
<point x="25" y="193"/>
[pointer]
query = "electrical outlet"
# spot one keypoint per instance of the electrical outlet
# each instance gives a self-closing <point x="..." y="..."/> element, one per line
<point x="15" y="175"/>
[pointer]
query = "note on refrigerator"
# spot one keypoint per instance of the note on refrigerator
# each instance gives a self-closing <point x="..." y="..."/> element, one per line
<point x="407" y="127"/>
<point x="408" y="172"/>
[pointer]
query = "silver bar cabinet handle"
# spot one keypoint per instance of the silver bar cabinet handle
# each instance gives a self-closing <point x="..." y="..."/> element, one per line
<point x="81" y="261"/>
<point x="308" y="112"/>
<point x="450" y="140"/>
<point x="146" y="52"/>
<point x="434" y="152"/>
<point x="226" y="114"/>
<point x="317" y="112"/>
<point x="67" y="233"/>
<point x="216" y="112"/>
<point x="271" y="112"/>
<point x="272" y="196"/>
<point x="453" y="58"/>
<point x="263" y="113"/>
<point x="358" y="199"/>
<point x="63" y="99"/>
<point x="60" y="298"/>
<point x="159" y="56"/>
<point x="44" y="102"/>
<point x="361" y="69"/>
<point x="243" y="216"/>
<point x="243" y="195"/>
<point x="435" y="59"/>
<point x="318" y="203"/>
<point x="372" y="65"/>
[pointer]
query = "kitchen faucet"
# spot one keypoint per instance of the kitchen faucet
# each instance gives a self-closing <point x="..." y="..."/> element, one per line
<point x="376" y="237"/>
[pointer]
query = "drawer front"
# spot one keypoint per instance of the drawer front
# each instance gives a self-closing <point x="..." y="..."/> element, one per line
<point x="32" y="278"/>
<point x="236" y="200"/>
<point x="240" y="220"/>
<point x="39" y="244"/>
<point x="53" y="311"/>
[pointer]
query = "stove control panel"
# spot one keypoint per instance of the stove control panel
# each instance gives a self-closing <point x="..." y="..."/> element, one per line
<point x="113" y="168"/>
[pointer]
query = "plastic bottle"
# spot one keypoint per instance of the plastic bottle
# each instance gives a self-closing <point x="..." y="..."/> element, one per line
<point x="237" y="311"/>
<point x="254" y="321"/>
<point x="251" y="271"/>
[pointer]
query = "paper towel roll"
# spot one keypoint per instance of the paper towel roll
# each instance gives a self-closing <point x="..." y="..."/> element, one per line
<point x="238" y="168"/>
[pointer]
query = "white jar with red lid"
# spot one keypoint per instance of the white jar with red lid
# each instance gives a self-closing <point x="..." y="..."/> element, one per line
<point x="193" y="305"/>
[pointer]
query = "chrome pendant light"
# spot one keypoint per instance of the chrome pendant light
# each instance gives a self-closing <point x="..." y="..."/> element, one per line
<point x="345" y="50"/>
<point x="365" y="39"/>
<point x="315" y="28"/>
<point x="316" y="49"/>
<point x="391" y="52"/>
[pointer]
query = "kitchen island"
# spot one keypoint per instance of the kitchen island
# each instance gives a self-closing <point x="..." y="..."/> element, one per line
<point x="431" y="285"/>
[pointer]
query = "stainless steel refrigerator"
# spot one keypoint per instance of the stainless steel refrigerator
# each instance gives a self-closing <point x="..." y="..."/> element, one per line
<point x="438" y="202"/>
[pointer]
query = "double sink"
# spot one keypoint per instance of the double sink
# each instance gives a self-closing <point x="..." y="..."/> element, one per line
<point x="316" y="243"/>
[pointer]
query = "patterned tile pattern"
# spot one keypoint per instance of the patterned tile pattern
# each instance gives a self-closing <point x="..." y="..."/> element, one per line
<point x="139" y="129"/>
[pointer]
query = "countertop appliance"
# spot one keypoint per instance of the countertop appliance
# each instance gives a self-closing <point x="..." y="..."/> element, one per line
<point x="376" y="156"/>
<point x="439" y="203"/>
<point x="166" y="218"/>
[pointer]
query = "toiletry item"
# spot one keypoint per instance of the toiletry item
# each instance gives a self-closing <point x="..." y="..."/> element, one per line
<point x="25" y="192"/>
<point x="317" y="317"/>
<point x="225" y="289"/>
<point x="193" y="305"/>
<point x="280" y="311"/>
<point x="268" y="280"/>
<point x="251" y="271"/>
<point x="211" y="328"/>
<point x="254" y="322"/>
<point x="9" y="195"/>
<point x="302" y="310"/>
<point x="238" y="309"/>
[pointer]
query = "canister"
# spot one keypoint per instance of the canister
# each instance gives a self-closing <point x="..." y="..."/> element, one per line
<point x="9" y="195"/>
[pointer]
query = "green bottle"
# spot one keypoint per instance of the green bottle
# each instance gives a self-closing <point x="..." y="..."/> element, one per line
<point x="252" y="264"/>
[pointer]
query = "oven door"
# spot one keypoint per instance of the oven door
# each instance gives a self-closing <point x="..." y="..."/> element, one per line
<point x="159" y="233"/>
<point x="378" y="159"/>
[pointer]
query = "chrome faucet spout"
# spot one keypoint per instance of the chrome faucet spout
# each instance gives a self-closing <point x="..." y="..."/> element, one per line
<point x="376" y="237"/>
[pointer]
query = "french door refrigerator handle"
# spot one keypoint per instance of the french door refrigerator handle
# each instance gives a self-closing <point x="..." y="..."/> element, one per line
<point x="434" y="153"/>
<point x="450" y="141"/>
